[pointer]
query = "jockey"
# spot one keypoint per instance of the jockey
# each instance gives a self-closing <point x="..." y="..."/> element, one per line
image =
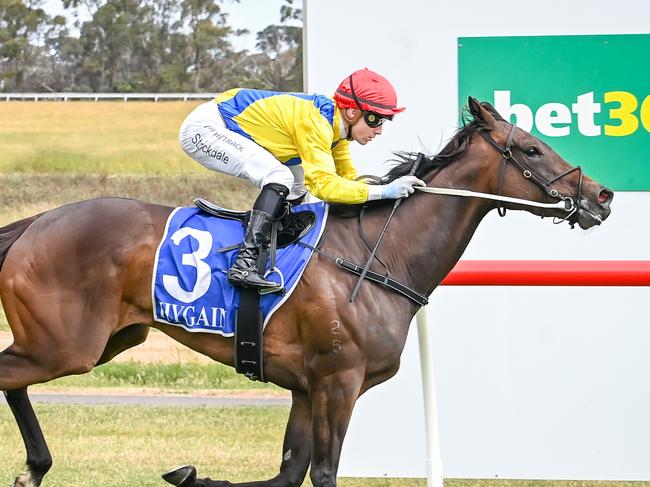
<point x="288" y="144"/>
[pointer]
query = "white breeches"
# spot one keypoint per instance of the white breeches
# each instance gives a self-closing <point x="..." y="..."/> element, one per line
<point x="206" y="139"/>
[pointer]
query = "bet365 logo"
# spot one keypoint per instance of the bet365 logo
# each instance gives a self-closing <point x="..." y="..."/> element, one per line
<point x="626" y="113"/>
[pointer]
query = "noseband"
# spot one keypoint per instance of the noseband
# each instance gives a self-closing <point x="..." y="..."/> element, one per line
<point x="571" y="204"/>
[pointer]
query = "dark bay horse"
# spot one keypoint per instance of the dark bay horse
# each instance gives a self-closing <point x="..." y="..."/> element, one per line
<point x="76" y="288"/>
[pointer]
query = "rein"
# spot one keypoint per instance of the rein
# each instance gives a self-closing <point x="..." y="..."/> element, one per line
<point x="569" y="204"/>
<point x="566" y="203"/>
<point x="362" y="276"/>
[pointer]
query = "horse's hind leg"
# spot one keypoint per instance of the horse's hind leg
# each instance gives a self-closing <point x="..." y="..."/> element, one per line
<point x="39" y="459"/>
<point x="44" y="348"/>
<point x="124" y="339"/>
<point x="17" y="371"/>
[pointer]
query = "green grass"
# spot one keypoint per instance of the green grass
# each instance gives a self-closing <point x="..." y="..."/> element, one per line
<point x="23" y="195"/>
<point x="107" y="446"/>
<point x="106" y="137"/>
<point x="177" y="377"/>
<point x="117" y="446"/>
<point x="4" y="326"/>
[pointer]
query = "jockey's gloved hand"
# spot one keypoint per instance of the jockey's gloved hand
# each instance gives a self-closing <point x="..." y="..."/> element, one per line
<point x="400" y="188"/>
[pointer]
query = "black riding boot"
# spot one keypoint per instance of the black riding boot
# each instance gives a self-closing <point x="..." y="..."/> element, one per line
<point x="244" y="271"/>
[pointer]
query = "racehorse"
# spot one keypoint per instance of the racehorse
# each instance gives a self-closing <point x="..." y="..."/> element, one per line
<point x="76" y="288"/>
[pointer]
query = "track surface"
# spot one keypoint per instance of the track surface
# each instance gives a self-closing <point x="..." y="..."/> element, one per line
<point x="157" y="349"/>
<point x="156" y="400"/>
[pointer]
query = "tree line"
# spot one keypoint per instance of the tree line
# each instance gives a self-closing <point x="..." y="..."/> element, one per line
<point x="132" y="46"/>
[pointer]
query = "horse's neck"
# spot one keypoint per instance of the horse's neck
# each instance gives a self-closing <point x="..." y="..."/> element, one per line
<point x="430" y="232"/>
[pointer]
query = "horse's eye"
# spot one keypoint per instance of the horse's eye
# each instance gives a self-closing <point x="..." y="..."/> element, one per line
<point x="531" y="152"/>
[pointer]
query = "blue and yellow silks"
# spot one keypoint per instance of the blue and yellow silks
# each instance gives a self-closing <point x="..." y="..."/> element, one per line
<point x="298" y="129"/>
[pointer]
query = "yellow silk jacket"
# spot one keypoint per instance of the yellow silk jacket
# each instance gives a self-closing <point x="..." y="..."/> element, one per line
<point x="298" y="129"/>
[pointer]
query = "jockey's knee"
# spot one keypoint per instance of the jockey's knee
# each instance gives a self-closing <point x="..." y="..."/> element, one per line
<point x="279" y="175"/>
<point x="298" y="201"/>
<point x="271" y="199"/>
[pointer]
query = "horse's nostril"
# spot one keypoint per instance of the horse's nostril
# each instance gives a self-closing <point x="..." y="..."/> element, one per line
<point x="605" y="196"/>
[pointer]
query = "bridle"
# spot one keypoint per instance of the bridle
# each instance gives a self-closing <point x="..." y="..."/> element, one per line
<point x="570" y="204"/>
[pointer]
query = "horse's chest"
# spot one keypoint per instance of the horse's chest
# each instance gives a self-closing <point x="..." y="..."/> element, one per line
<point x="384" y="347"/>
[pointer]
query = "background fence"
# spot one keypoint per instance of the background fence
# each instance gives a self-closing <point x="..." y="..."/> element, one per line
<point x="105" y="96"/>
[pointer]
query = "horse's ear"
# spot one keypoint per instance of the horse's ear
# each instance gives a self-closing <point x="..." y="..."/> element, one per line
<point x="488" y="106"/>
<point x="480" y="113"/>
<point x="474" y="107"/>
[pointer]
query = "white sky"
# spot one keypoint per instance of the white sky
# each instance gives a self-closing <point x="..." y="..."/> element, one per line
<point x="253" y="15"/>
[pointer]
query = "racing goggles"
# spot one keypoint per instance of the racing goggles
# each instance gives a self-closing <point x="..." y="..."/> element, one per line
<point x="373" y="119"/>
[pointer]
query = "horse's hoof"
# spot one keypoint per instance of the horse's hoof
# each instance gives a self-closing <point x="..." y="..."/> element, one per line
<point x="25" y="480"/>
<point x="181" y="477"/>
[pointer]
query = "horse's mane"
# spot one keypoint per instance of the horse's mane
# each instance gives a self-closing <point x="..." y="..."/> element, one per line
<point x="452" y="151"/>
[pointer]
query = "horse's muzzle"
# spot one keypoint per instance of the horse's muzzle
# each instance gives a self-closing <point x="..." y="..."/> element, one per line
<point x="594" y="212"/>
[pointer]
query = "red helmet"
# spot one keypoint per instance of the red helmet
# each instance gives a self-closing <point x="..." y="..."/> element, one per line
<point x="367" y="90"/>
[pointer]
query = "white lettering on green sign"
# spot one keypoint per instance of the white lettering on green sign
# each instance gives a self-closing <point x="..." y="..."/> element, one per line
<point x="557" y="119"/>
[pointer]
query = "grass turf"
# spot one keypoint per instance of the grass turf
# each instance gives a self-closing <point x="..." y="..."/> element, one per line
<point x="107" y="446"/>
<point x="106" y="137"/>
<point x="115" y="446"/>
<point x="187" y="377"/>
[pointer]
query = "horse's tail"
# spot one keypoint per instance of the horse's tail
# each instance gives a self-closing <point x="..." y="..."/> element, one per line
<point x="11" y="233"/>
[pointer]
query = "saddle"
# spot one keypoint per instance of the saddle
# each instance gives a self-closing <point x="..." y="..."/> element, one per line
<point x="287" y="229"/>
<point x="291" y="227"/>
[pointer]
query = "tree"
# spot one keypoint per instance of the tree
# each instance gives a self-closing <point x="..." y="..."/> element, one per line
<point x="21" y="24"/>
<point x="165" y="69"/>
<point x="61" y="55"/>
<point x="143" y="45"/>
<point x="208" y="39"/>
<point x="282" y="47"/>
<point x="115" y="45"/>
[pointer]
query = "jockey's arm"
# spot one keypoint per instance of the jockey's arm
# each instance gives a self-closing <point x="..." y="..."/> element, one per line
<point x="323" y="182"/>
<point x="321" y="174"/>
<point x="343" y="160"/>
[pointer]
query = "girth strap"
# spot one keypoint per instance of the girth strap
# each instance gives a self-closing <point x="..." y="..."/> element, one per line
<point x="249" y="344"/>
<point x="385" y="281"/>
<point x="381" y="279"/>
<point x="249" y="329"/>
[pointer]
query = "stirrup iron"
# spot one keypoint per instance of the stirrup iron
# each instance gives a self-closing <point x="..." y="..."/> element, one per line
<point x="271" y="290"/>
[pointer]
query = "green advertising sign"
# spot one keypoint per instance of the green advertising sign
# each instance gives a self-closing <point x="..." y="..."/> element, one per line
<point x="586" y="96"/>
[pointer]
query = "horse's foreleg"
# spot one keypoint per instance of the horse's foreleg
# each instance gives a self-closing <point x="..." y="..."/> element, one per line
<point x="296" y="452"/>
<point x="39" y="459"/>
<point x="333" y="399"/>
<point x="296" y="449"/>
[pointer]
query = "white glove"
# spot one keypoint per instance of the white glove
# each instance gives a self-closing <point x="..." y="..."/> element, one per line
<point x="400" y="188"/>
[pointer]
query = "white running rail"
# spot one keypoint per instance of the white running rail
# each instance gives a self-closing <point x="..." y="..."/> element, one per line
<point x="104" y="96"/>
